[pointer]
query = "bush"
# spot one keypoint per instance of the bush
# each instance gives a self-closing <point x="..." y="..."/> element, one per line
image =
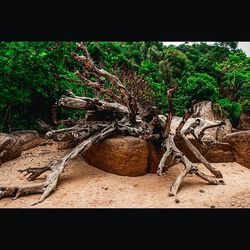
<point x="232" y="109"/>
<point x="201" y="87"/>
<point x="245" y="105"/>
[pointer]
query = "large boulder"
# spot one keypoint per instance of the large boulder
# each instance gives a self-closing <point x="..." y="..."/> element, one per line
<point x="240" y="142"/>
<point x="11" y="145"/>
<point x="27" y="139"/>
<point x="120" y="155"/>
<point x="244" y="123"/>
<point x="216" y="133"/>
<point x="221" y="152"/>
<point x="8" y="148"/>
<point x="155" y="154"/>
<point x="204" y="111"/>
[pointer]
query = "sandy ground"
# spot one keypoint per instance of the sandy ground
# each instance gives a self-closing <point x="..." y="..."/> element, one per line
<point x="84" y="186"/>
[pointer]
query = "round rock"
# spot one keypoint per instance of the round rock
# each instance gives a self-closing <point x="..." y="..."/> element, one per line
<point x="123" y="155"/>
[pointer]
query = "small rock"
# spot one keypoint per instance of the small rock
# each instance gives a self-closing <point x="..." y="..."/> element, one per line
<point x="221" y="182"/>
<point x="212" y="206"/>
<point x="202" y="191"/>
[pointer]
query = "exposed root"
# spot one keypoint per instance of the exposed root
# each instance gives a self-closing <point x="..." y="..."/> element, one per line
<point x="76" y="133"/>
<point x="86" y="103"/>
<point x="200" y="157"/>
<point x="189" y="167"/>
<point x="34" y="172"/>
<point x="16" y="191"/>
<point x="168" y="152"/>
<point x="202" y="132"/>
<point x="171" y="149"/>
<point x="206" y="178"/>
<point x="56" y="168"/>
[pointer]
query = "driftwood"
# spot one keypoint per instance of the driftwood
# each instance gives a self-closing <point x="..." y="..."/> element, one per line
<point x="130" y="118"/>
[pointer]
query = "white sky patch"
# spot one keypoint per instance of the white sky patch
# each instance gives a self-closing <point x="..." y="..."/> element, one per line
<point x="245" y="46"/>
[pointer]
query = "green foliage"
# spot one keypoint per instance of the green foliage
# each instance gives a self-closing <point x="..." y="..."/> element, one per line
<point x="230" y="45"/>
<point x="233" y="109"/>
<point x="201" y="87"/>
<point x="245" y="105"/>
<point x="177" y="61"/>
<point x="33" y="76"/>
<point x="61" y="126"/>
<point x="32" y="79"/>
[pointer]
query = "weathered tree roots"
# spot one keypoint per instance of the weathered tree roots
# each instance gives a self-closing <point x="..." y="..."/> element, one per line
<point x="189" y="167"/>
<point x="55" y="168"/>
<point x="34" y="172"/>
<point x="129" y="118"/>
<point x="171" y="149"/>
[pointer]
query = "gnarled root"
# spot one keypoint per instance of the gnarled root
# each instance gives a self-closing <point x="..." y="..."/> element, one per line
<point x="22" y="190"/>
<point x="189" y="167"/>
<point x="56" y="168"/>
<point x="200" y="157"/>
<point x="34" y="172"/>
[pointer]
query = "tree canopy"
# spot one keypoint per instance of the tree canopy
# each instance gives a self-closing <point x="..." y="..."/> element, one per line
<point x="34" y="75"/>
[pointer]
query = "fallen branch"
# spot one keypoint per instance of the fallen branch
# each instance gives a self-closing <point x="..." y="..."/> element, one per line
<point x="86" y="103"/>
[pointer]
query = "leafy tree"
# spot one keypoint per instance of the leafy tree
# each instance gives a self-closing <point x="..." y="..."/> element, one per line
<point x="33" y="76"/>
<point x="235" y="78"/>
<point x="201" y="87"/>
<point x="229" y="45"/>
<point x="233" y="109"/>
<point x="30" y="81"/>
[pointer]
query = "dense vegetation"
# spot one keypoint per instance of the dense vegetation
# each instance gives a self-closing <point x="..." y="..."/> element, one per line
<point x="33" y="76"/>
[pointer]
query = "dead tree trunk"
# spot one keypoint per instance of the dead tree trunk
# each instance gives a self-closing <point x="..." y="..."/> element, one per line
<point x="130" y="119"/>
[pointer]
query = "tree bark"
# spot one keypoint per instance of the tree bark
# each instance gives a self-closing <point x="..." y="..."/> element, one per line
<point x="86" y="103"/>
